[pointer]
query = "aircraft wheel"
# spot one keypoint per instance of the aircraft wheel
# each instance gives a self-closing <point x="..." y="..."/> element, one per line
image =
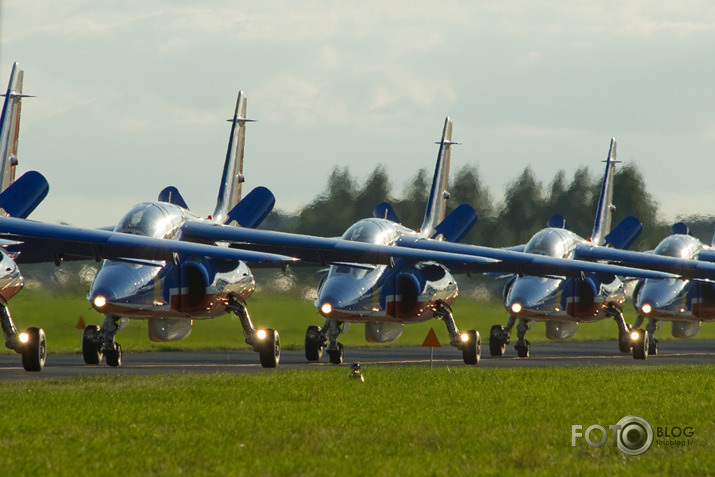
<point x="313" y="345"/>
<point x="653" y="348"/>
<point x="640" y="345"/>
<point x="270" y="350"/>
<point x="114" y="356"/>
<point x="472" y="349"/>
<point x="522" y="349"/>
<point x="90" y="350"/>
<point x="34" y="352"/>
<point x="336" y="355"/>
<point x="497" y="344"/>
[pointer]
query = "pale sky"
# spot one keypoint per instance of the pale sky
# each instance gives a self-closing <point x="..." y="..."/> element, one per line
<point x="132" y="96"/>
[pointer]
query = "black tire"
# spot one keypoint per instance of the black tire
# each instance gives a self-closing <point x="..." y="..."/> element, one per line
<point x="90" y="349"/>
<point x="114" y="357"/>
<point x="497" y="344"/>
<point x="270" y="349"/>
<point x="653" y="348"/>
<point x="336" y="355"/>
<point x="640" y="346"/>
<point x="34" y="352"/>
<point x="522" y="349"/>
<point x="313" y="344"/>
<point x="472" y="349"/>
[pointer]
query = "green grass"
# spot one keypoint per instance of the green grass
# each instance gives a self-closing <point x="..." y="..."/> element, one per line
<point x="58" y="315"/>
<point x="408" y="421"/>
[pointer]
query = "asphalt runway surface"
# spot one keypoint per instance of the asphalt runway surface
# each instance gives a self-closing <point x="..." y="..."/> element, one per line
<point x="543" y="355"/>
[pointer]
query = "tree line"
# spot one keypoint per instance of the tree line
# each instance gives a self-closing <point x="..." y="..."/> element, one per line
<point x="526" y="206"/>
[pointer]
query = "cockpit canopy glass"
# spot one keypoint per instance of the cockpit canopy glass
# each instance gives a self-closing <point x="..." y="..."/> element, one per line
<point x="371" y="231"/>
<point x="551" y="242"/>
<point x="679" y="246"/>
<point x="151" y="220"/>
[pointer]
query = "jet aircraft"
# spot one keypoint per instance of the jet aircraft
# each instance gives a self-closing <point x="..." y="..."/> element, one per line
<point x="386" y="275"/>
<point x="686" y="303"/>
<point x="17" y="198"/>
<point x="151" y="273"/>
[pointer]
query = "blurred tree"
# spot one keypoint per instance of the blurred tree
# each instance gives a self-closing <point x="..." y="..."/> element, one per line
<point x="333" y="211"/>
<point x="523" y="212"/>
<point x="377" y="189"/>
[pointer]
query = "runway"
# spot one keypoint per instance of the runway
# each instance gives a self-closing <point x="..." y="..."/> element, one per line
<point x="543" y="355"/>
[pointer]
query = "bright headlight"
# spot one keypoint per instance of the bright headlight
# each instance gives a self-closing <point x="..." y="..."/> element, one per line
<point x="464" y="337"/>
<point x="326" y="308"/>
<point x="646" y="309"/>
<point x="515" y="308"/>
<point x="635" y="335"/>
<point x="24" y="337"/>
<point x="261" y="334"/>
<point x="100" y="301"/>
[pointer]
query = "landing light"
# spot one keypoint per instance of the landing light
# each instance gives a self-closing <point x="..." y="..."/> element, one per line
<point x="646" y="309"/>
<point x="24" y="337"/>
<point x="100" y="301"/>
<point x="261" y="334"/>
<point x="516" y="308"/>
<point x="464" y="337"/>
<point x="326" y="308"/>
<point x="635" y="335"/>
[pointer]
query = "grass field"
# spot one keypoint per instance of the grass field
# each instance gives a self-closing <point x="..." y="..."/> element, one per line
<point x="290" y="314"/>
<point x="413" y="421"/>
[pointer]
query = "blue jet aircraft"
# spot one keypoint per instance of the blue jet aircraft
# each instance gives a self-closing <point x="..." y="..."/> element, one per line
<point x="385" y="275"/>
<point x="151" y="273"/>
<point x="18" y="198"/>
<point x="684" y="302"/>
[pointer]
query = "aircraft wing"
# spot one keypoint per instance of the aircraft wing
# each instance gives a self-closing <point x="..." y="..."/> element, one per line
<point x="457" y="257"/>
<point x="40" y="242"/>
<point x="532" y="264"/>
<point x="693" y="269"/>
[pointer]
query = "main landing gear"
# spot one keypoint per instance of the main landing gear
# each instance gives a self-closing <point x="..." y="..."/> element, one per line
<point x="625" y="343"/>
<point x="469" y="343"/>
<point x="500" y="336"/>
<point x="31" y="343"/>
<point x="266" y="342"/>
<point x="317" y="338"/>
<point x="98" y="343"/>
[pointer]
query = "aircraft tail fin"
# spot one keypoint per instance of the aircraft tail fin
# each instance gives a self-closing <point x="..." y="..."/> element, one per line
<point x="437" y="203"/>
<point x="604" y="213"/>
<point x="171" y="195"/>
<point x="385" y="211"/>
<point x="23" y="196"/>
<point x="10" y="127"/>
<point x="229" y="193"/>
<point x="252" y="209"/>
<point x="457" y="224"/>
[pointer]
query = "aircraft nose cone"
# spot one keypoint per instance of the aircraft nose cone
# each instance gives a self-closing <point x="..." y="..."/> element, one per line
<point x="529" y="294"/>
<point x="338" y="293"/>
<point x="657" y="295"/>
<point x="113" y="283"/>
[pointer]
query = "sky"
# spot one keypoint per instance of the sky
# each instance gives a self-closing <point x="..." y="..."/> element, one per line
<point x="132" y="96"/>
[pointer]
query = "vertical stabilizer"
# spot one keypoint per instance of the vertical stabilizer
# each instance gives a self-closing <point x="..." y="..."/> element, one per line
<point x="10" y="127"/>
<point x="437" y="203"/>
<point x="604" y="213"/>
<point x="229" y="193"/>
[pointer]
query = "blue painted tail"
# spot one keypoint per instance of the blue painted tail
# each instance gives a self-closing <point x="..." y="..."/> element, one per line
<point x="604" y="213"/>
<point x="437" y="204"/>
<point x="229" y="193"/>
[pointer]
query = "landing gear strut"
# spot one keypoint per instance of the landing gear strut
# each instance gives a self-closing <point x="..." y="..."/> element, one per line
<point x="469" y="343"/>
<point x="31" y="344"/>
<point x="266" y="342"/>
<point x="99" y="342"/>
<point x="522" y="345"/>
<point x="624" y="329"/>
